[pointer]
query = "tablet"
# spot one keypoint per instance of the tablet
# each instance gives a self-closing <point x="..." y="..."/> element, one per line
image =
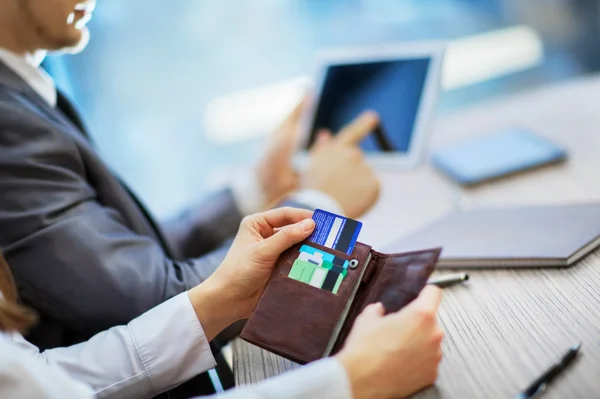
<point x="400" y="82"/>
<point x="503" y="153"/>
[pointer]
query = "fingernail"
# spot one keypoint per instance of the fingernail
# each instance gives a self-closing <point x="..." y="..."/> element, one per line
<point x="322" y="135"/>
<point x="372" y="116"/>
<point x="307" y="224"/>
<point x="379" y="308"/>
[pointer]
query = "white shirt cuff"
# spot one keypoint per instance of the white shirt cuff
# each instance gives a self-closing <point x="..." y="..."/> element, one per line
<point x="250" y="198"/>
<point x="317" y="199"/>
<point x="171" y="343"/>
<point x="325" y="378"/>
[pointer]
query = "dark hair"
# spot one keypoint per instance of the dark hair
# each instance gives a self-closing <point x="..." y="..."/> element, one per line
<point x="13" y="317"/>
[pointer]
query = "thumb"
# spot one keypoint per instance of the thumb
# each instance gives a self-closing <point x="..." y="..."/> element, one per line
<point x="429" y="299"/>
<point x="286" y="237"/>
<point x="374" y="310"/>
<point x="294" y="117"/>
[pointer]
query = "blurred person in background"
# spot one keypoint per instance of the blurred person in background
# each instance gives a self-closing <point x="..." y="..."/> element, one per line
<point x="169" y="344"/>
<point x="84" y="252"/>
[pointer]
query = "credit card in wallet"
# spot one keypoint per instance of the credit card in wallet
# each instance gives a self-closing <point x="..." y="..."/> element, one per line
<point x="335" y="231"/>
<point x="319" y="269"/>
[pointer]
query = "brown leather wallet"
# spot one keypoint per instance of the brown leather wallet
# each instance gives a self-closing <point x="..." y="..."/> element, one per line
<point x="304" y="323"/>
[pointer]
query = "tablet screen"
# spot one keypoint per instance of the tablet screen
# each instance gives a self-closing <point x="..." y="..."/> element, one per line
<point x="393" y="88"/>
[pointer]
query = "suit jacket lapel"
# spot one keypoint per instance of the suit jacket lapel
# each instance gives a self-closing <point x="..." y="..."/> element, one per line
<point x="72" y="124"/>
<point x="69" y="114"/>
<point x="66" y="107"/>
<point x="13" y="81"/>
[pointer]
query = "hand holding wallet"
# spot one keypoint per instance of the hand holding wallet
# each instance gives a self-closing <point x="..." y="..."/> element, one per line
<point x="304" y="323"/>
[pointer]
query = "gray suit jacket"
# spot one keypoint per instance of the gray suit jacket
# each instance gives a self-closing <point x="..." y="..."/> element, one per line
<point x="84" y="252"/>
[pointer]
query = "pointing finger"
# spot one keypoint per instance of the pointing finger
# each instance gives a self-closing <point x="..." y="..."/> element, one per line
<point x="358" y="129"/>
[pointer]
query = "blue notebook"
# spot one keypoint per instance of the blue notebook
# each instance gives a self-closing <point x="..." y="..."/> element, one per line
<point x="500" y="154"/>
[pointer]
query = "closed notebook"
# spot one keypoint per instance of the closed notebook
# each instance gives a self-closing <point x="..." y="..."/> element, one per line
<point x="303" y="322"/>
<point x="533" y="236"/>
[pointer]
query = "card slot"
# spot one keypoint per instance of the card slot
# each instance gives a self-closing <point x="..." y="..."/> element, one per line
<point x="351" y="273"/>
<point x="307" y="285"/>
<point x="342" y="291"/>
<point x="333" y="252"/>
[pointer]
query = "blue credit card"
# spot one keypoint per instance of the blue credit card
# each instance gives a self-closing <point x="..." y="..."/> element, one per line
<point x="335" y="231"/>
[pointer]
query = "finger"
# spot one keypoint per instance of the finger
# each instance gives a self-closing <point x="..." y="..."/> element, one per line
<point x="285" y="141"/>
<point x="358" y="129"/>
<point x="422" y="310"/>
<point x="294" y="117"/>
<point x="324" y="137"/>
<point x="286" y="237"/>
<point x="429" y="298"/>
<point x="281" y="217"/>
<point x="373" y="310"/>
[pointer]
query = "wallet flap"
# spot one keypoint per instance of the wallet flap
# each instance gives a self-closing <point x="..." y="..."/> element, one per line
<point x="297" y="320"/>
<point x="395" y="280"/>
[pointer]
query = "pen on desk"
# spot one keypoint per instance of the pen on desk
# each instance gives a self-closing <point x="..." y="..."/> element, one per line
<point x="448" y="280"/>
<point x="539" y="385"/>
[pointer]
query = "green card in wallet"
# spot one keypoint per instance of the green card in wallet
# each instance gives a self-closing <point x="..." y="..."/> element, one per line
<point x="315" y="293"/>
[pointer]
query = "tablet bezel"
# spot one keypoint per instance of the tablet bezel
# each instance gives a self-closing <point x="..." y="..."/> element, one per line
<point x="388" y="52"/>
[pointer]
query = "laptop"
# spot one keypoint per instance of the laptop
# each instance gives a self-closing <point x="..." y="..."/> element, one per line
<point x="528" y="236"/>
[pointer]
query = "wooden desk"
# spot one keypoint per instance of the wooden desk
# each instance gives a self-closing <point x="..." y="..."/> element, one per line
<point x="505" y="326"/>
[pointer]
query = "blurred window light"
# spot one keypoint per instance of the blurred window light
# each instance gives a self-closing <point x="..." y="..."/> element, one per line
<point x="475" y="59"/>
<point x="469" y="60"/>
<point x="252" y="113"/>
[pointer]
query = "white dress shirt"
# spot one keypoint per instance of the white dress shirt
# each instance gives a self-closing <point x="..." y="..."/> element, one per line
<point x="247" y="192"/>
<point x="28" y="69"/>
<point x="159" y="350"/>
